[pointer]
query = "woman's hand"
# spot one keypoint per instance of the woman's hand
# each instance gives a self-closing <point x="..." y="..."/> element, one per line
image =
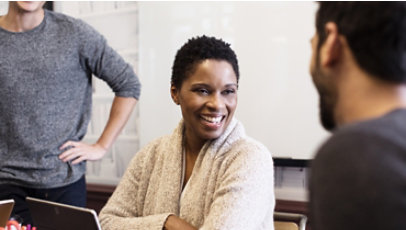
<point x="175" y="223"/>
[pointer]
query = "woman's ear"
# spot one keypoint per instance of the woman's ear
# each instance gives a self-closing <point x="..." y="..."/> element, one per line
<point x="174" y="95"/>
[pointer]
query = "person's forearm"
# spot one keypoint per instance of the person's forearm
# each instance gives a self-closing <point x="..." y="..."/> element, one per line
<point x="119" y="113"/>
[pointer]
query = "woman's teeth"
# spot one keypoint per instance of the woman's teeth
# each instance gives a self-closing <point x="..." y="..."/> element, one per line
<point x="212" y="119"/>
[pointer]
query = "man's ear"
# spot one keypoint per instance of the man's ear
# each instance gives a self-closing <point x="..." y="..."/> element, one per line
<point x="332" y="47"/>
<point x="174" y="95"/>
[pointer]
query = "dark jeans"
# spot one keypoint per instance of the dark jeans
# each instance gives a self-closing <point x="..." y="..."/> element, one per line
<point x="73" y="194"/>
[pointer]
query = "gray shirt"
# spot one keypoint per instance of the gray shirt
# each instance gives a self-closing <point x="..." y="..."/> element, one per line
<point x="46" y="96"/>
<point x="358" y="178"/>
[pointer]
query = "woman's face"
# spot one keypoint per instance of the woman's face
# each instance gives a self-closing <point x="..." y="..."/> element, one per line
<point x="208" y="99"/>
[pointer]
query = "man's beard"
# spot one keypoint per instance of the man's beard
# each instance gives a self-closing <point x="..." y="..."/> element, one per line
<point x="327" y="99"/>
<point x="327" y="113"/>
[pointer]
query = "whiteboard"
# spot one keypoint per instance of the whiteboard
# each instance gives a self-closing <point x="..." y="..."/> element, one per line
<point x="277" y="102"/>
<point x="3" y="7"/>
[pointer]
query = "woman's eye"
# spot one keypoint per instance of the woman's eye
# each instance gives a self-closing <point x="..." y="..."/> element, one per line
<point x="202" y="91"/>
<point x="228" y="91"/>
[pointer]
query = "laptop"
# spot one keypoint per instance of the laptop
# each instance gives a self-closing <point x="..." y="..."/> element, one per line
<point x="48" y="215"/>
<point x="6" y="206"/>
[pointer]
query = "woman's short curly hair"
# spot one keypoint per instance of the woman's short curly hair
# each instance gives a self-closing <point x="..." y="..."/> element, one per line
<point x="198" y="49"/>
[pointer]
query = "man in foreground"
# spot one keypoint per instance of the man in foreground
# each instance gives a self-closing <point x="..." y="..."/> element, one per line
<point x="358" y="178"/>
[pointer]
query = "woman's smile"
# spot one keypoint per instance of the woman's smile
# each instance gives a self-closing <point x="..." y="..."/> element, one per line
<point x="208" y="99"/>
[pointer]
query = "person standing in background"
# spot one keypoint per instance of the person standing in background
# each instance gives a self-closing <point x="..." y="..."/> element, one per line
<point x="47" y="60"/>
<point x="358" y="177"/>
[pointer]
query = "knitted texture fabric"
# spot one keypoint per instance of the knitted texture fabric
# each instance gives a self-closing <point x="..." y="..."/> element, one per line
<point x="231" y="186"/>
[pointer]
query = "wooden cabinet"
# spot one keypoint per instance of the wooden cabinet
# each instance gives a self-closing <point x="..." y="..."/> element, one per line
<point x="97" y="195"/>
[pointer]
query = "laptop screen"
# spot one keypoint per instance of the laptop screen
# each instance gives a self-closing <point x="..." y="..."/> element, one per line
<point x="6" y="206"/>
<point x="49" y="215"/>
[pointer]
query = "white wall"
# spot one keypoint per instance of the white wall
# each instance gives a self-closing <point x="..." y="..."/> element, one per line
<point x="3" y="7"/>
<point x="277" y="102"/>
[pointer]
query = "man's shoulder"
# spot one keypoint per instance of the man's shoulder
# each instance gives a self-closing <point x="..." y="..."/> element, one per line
<point x="367" y="141"/>
<point x="66" y="22"/>
<point x="362" y="166"/>
<point x="60" y="17"/>
<point x="390" y="124"/>
<point x="388" y="127"/>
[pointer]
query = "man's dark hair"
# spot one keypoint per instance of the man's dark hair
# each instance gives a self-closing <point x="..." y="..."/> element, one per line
<point x="376" y="34"/>
<point x="196" y="50"/>
<point x="49" y="5"/>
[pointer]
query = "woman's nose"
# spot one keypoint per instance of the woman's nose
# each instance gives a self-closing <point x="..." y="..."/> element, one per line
<point x="215" y="102"/>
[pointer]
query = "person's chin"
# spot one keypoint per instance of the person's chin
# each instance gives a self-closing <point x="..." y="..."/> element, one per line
<point x="29" y="6"/>
<point x="212" y="135"/>
<point x="329" y="126"/>
<point x="213" y="132"/>
<point x="327" y="120"/>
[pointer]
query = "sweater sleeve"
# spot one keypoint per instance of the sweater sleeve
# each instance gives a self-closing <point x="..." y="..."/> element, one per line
<point x="244" y="198"/>
<point x="124" y="208"/>
<point x="98" y="58"/>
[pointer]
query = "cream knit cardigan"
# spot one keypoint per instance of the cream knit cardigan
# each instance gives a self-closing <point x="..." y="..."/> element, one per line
<point x="231" y="186"/>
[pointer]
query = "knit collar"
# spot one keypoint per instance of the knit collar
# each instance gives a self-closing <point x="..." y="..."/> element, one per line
<point x="232" y="133"/>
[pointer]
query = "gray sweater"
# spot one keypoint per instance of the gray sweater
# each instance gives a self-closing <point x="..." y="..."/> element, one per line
<point x="46" y="96"/>
<point x="358" y="177"/>
<point x="231" y="186"/>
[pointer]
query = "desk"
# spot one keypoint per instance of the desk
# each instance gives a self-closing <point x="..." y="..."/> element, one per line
<point x="97" y="196"/>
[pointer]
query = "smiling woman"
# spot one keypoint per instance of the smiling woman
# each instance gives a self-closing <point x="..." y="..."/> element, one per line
<point x="207" y="174"/>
